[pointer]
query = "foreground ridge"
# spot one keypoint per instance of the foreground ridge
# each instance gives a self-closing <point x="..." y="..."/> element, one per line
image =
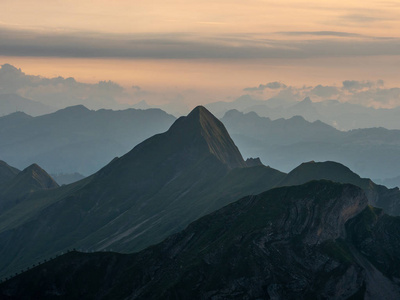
<point x="314" y="240"/>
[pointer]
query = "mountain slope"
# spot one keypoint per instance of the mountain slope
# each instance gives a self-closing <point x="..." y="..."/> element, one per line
<point x="7" y="172"/>
<point x="318" y="240"/>
<point x="29" y="180"/>
<point x="156" y="189"/>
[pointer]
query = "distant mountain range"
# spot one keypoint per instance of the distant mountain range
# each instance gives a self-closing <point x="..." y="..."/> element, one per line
<point x="315" y="241"/>
<point x="11" y="103"/>
<point x="153" y="191"/>
<point x="284" y="144"/>
<point x="343" y="116"/>
<point x="67" y="178"/>
<point x="76" y="139"/>
<point x="390" y="182"/>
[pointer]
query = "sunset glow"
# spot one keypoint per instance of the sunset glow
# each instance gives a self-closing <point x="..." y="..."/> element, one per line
<point x="214" y="47"/>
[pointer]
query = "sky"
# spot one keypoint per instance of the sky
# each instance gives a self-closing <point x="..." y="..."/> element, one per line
<point x="197" y="52"/>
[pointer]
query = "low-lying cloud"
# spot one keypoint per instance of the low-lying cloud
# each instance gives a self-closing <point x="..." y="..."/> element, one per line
<point x="59" y="91"/>
<point x="352" y="85"/>
<point x="271" y="85"/>
<point x="366" y="93"/>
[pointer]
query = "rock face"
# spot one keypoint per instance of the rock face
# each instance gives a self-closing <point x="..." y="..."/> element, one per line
<point x="315" y="241"/>
<point x="378" y="195"/>
<point x="37" y="178"/>
<point x="200" y="122"/>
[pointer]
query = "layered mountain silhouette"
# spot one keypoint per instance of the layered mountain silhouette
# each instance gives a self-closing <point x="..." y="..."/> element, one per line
<point x="153" y="191"/>
<point x="318" y="240"/>
<point x="21" y="184"/>
<point x="156" y="189"/>
<point x="341" y="115"/>
<point x="76" y="139"/>
<point x="285" y="143"/>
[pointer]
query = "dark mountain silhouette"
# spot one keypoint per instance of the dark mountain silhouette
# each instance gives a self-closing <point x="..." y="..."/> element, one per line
<point x="7" y="172"/>
<point x="76" y="139"/>
<point x="28" y="181"/>
<point x="378" y="195"/>
<point x="156" y="189"/>
<point x="285" y="143"/>
<point x="318" y="240"/>
<point x="33" y="178"/>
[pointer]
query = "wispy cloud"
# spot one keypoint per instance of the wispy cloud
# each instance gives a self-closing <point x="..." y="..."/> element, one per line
<point x="320" y="33"/>
<point x="271" y="85"/>
<point x="189" y="46"/>
<point x="364" y="18"/>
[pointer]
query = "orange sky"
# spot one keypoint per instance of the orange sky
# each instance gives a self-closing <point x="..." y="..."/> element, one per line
<point x="296" y="42"/>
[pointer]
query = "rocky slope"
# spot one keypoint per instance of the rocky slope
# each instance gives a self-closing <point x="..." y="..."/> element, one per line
<point x="316" y="241"/>
<point x="378" y="195"/>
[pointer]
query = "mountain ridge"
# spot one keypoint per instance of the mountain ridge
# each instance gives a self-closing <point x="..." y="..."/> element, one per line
<point x="30" y="180"/>
<point x="297" y="242"/>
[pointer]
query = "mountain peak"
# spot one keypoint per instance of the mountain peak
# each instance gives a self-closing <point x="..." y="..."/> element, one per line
<point x="37" y="178"/>
<point x="75" y="109"/>
<point x="328" y="170"/>
<point x="200" y="113"/>
<point x="201" y="126"/>
<point x="31" y="179"/>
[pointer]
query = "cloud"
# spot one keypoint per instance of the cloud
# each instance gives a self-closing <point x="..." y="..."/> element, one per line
<point x="271" y="85"/>
<point x="353" y="85"/>
<point x="363" y="18"/>
<point x="59" y="91"/>
<point x="377" y="97"/>
<point x="320" y="33"/>
<point x="325" y="91"/>
<point x="366" y="93"/>
<point x="189" y="46"/>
